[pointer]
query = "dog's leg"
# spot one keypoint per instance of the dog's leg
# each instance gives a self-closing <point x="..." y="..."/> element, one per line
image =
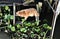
<point x="37" y="19"/>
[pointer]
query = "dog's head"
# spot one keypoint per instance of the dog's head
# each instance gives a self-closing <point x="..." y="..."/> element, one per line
<point x="20" y="13"/>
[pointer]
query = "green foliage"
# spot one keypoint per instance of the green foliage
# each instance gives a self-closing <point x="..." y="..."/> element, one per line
<point x="23" y="30"/>
<point x="8" y="16"/>
<point x="32" y="35"/>
<point x="30" y="29"/>
<point x="27" y="24"/>
<point x="26" y="29"/>
<point x="37" y="22"/>
<point x="37" y="30"/>
<point x="0" y="14"/>
<point x="23" y="20"/>
<point x="46" y="26"/>
<point x="9" y="26"/>
<point x="7" y="8"/>
<point x="18" y="26"/>
<point x="13" y="28"/>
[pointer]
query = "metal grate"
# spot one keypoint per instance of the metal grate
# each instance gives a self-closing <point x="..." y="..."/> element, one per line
<point x="11" y="1"/>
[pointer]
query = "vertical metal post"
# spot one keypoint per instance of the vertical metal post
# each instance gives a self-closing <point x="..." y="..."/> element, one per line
<point x="14" y="8"/>
<point x="55" y="18"/>
<point x="37" y="17"/>
<point x="53" y="24"/>
<point x="37" y="7"/>
<point x="1" y="14"/>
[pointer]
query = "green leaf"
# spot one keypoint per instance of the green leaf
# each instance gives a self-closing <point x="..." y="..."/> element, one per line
<point x="37" y="30"/>
<point x="23" y="20"/>
<point x="9" y="26"/>
<point x="11" y="17"/>
<point x="42" y="33"/>
<point x="23" y="30"/>
<point x="25" y="35"/>
<point x="32" y="32"/>
<point x="18" y="30"/>
<point x="33" y="24"/>
<point x="49" y="27"/>
<point x="33" y="29"/>
<point x="13" y="28"/>
<point x="18" y="26"/>
<point x="6" y="16"/>
<point x="46" y="26"/>
<point x="6" y="7"/>
<point x="37" y="22"/>
<point x="28" y="24"/>
<point x="32" y="35"/>
<point x="0" y="14"/>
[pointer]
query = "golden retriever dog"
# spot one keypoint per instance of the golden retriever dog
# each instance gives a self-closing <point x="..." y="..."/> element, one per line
<point x="28" y="12"/>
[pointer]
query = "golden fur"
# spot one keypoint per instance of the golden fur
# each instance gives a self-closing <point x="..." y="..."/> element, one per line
<point x="27" y="12"/>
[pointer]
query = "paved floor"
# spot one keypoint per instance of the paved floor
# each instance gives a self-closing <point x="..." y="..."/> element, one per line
<point x="4" y="35"/>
